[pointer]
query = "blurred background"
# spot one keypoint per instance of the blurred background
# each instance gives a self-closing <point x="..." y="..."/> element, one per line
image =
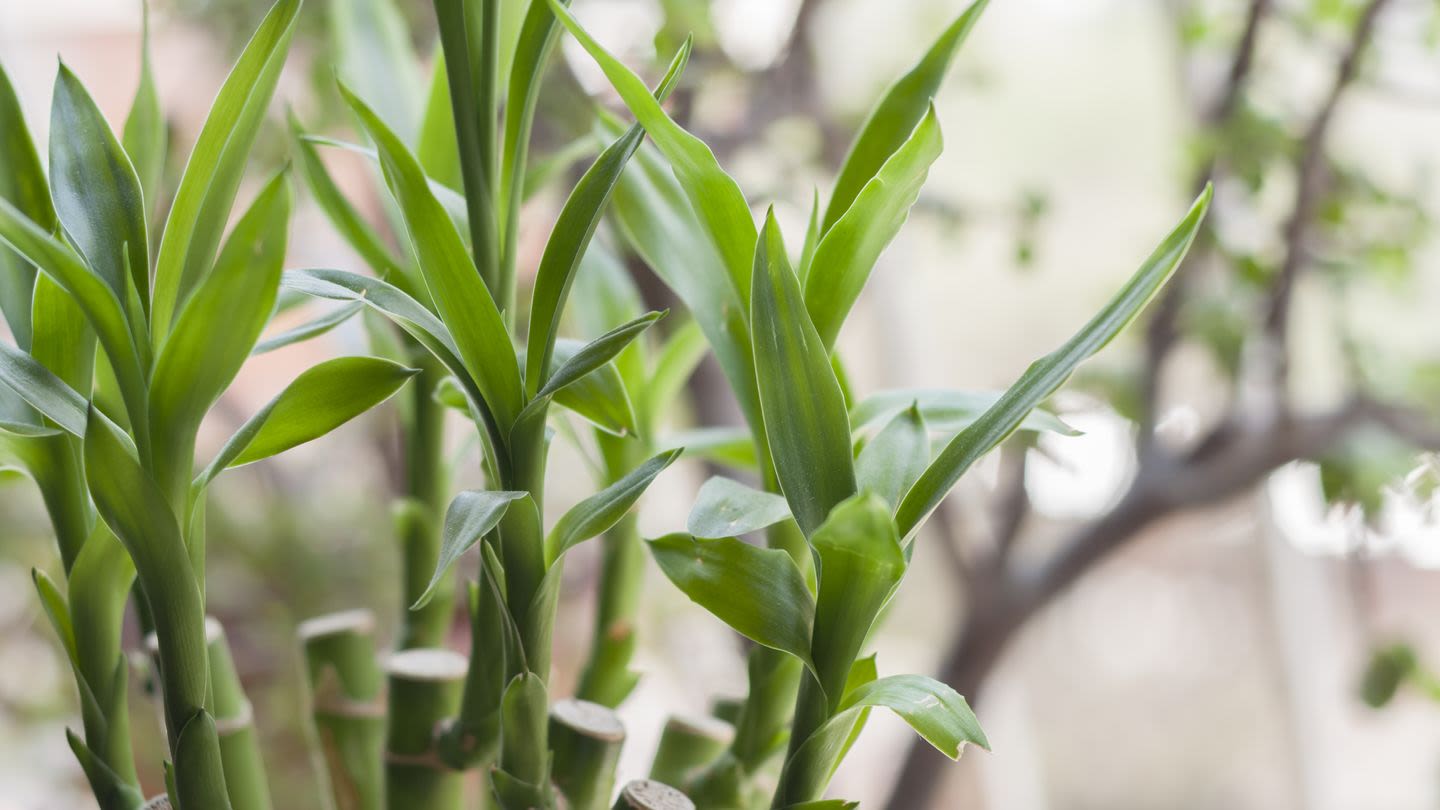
<point x="1175" y="609"/>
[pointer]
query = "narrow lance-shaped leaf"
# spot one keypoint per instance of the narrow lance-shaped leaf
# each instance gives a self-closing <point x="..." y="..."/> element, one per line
<point x="212" y="174"/>
<point x="944" y="410"/>
<point x="600" y="511"/>
<point x="61" y="337"/>
<point x="310" y="329"/>
<point x="372" y="47"/>
<point x="97" y="194"/>
<point x="891" y="462"/>
<point x="716" y="196"/>
<point x="571" y="235"/>
<point x="471" y="515"/>
<point x="728" y="508"/>
<point x="758" y="592"/>
<point x="535" y="42"/>
<point x="465" y="305"/>
<point x="595" y="354"/>
<point x="1047" y="374"/>
<point x="98" y="302"/>
<point x="658" y="221"/>
<point x="358" y="233"/>
<point x="145" y="137"/>
<point x="318" y="401"/>
<point x="407" y="313"/>
<point x="859" y="564"/>
<point x="600" y="397"/>
<point x="847" y="253"/>
<point x="805" y="415"/>
<point x="935" y="711"/>
<point x="217" y="329"/>
<point x="23" y="185"/>
<point x="46" y="392"/>
<point x="897" y="114"/>
<point x="469" y="38"/>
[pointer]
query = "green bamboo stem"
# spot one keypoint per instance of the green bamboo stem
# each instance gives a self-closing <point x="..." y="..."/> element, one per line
<point x="607" y="678"/>
<point x="170" y="588"/>
<point x="586" y="739"/>
<point x="345" y="684"/>
<point x="646" y="794"/>
<point x="245" y="780"/>
<point x="424" y="691"/>
<point x="99" y="587"/>
<point x="420" y="514"/>
<point x="235" y="722"/>
<point x="688" y="744"/>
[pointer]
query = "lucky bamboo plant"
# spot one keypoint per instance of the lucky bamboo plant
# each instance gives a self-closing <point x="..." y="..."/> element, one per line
<point x="845" y="484"/>
<point x="857" y="503"/>
<point x="112" y="434"/>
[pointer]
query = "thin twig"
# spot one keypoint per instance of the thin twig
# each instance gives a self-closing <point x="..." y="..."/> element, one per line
<point x="1312" y="180"/>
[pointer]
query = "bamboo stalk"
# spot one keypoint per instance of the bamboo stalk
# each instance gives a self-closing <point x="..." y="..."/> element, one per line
<point x="607" y="677"/>
<point x="419" y="515"/>
<point x="688" y="744"/>
<point x="345" y="684"/>
<point x="235" y="722"/>
<point x="646" y="794"/>
<point x="245" y="780"/>
<point x="586" y="739"/>
<point x="424" y="691"/>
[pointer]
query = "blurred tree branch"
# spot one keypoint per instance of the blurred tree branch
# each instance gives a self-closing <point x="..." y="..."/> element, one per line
<point x="1246" y="444"/>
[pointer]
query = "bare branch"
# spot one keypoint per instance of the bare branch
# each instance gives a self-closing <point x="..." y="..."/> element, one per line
<point x="1162" y="330"/>
<point x="1311" y="182"/>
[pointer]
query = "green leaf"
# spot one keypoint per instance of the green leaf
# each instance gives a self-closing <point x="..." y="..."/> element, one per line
<point x="407" y="313"/>
<point x="94" y="297"/>
<point x="600" y="511"/>
<point x="1047" y="374"/>
<point x="109" y="788"/>
<point x="595" y="354"/>
<point x="892" y="461"/>
<point x="464" y="303"/>
<point x="571" y="235"/>
<point x="61" y="339"/>
<point x="658" y="221"/>
<point x="805" y="415"/>
<point x="217" y="163"/>
<point x="46" y="392"/>
<point x="825" y="804"/>
<point x="435" y="146"/>
<point x="214" y="334"/>
<point x="600" y="397"/>
<point x="758" y="592"/>
<point x="731" y="446"/>
<point x="859" y="563"/>
<point x="716" y="197"/>
<point x="935" y="711"/>
<point x="374" y="56"/>
<point x="318" y="401"/>
<point x="471" y="515"/>
<point x="309" y="329"/>
<point x="945" y="410"/>
<point x="896" y="116"/>
<point x="145" y="136"/>
<point x="23" y="185"/>
<point x="57" y="611"/>
<point x="358" y="233"/>
<point x="97" y="195"/>
<point x="847" y="253"/>
<point x="537" y="38"/>
<point x="727" y="508"/>
<point x="470" y="38"/>
<point x="676" y="363"/>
